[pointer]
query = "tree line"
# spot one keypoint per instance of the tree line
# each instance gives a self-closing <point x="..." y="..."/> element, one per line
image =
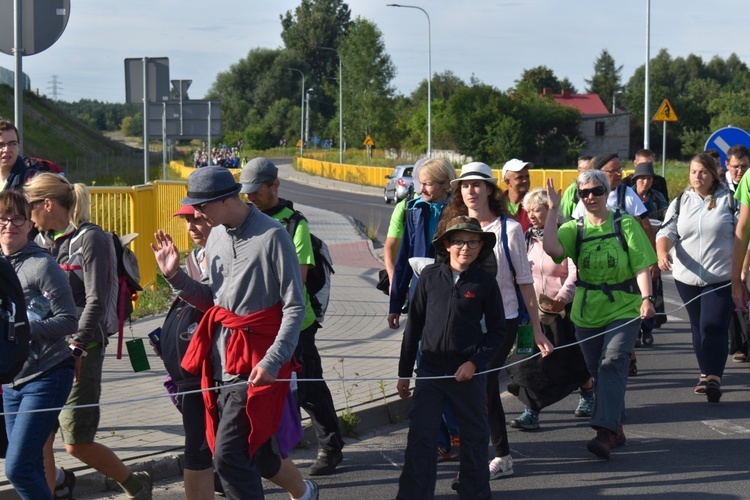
<point x="261" y="97"/>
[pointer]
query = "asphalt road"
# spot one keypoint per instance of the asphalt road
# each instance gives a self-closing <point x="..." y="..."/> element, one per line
<point x="368" y="210"/>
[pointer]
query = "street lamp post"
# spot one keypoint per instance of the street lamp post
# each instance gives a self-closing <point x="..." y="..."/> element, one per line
<point x="429" y="73"/>
<point x="341" y="105"/>
<point x="646" y="114"/>
<point x="301" y="112"/>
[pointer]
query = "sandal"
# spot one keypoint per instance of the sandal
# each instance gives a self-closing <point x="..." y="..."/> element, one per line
<point x="713" y="391"/>
<point x="700" y="389"/>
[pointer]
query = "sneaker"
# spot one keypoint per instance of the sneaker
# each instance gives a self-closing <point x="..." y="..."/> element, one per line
<point x="604" y="441"/>
<point x="739" y="357"/>
<point x="443" y="455"/>
<point x="633" y="370"/>
<point x="312" y="486"/>
<point x="700" y="389"/>
<point x="456" y="482"/>
<point x="528" y="421"/>
<point x="148" y="485"/>
<point x="326" y="463"/>
<point x="501" y="467"/>
<point x="585" y="406"/>
<point x="65" y="490"/>
<point x="713" y="391"/>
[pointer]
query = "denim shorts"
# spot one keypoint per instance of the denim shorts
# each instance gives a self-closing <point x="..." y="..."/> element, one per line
<point x="78" y="426"/>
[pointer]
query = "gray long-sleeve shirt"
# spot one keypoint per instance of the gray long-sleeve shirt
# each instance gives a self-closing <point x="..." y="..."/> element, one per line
<point x="250" y="268"/>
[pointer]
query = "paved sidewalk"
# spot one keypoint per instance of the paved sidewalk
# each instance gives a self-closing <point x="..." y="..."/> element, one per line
<point x="354" y="342"/>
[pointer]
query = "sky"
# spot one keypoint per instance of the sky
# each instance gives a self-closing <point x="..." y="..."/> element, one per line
<point x="494" y="40"/>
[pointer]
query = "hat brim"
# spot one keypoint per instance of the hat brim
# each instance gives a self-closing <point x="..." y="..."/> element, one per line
<point x="489" y="238"/>
<point x="184" y="210"/>
<point x="250" y="187"/>
<point x="473" y="177"/>
<point x="189" y="200"/>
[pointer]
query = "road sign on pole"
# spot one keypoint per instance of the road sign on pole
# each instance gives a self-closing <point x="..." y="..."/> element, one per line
<point x="368" y="141"/>
<point x="665" y="113"/>
<point x="725" y="138"/>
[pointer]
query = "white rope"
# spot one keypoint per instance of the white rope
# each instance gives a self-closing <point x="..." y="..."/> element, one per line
<point x="341" y="379"/>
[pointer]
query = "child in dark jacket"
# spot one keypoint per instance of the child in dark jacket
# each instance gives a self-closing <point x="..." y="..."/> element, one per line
<point x="446" y="312"/>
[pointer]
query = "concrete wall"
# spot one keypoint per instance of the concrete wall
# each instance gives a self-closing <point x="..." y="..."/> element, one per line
<point x="616" y="138"/>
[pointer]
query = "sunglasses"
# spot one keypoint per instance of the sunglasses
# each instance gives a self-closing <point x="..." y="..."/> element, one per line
<point x="596" y="191"/>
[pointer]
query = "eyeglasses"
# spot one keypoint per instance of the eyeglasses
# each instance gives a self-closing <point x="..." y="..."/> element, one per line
<point x="472" y="244"/>
<point x="16" y="220"/>
<point x="596" y="191"/>
<point x="198" y="207"/>
<point x="11" y="145"/>
<point x="613" y="171"/>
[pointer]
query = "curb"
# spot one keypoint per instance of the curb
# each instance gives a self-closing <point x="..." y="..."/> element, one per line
<point x="169" y="463"/>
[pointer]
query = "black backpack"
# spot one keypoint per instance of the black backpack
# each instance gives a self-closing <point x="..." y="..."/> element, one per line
<point x="15" y="334"/>
<point x="318" y="281"/>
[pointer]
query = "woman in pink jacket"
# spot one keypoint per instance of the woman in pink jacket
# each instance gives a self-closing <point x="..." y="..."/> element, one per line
<point x="540" y="381"/>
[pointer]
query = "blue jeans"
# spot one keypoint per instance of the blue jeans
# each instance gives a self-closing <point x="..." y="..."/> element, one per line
<point x="608" y="358"/>
<point x="709" y="321"/>
<point x="27" y="432"/>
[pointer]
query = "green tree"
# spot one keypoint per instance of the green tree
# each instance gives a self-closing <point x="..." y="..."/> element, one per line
<point x="541" y="77"/>
<point x="606" y="80"/>
<point x="567" y="84"/>
<point x="444" y="85"/>
<point x="313" y="24"/>
<point x="368" y="72"/>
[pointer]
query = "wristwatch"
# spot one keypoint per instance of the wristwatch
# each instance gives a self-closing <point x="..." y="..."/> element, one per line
<point x="77" y="351"/>
<point x="650" y="298"/>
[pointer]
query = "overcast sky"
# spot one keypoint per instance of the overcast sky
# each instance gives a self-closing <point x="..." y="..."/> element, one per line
<point x="494" y="40"/>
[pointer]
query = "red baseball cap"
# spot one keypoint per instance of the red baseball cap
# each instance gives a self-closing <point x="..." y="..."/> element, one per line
<point x="184" y="210"/>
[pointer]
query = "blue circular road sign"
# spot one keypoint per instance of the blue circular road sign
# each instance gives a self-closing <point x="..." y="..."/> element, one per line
<point x="725" y="138"/>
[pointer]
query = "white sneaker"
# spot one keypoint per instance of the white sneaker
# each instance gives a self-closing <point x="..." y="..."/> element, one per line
<point x="501" y="467"/>
<point x="312" y="490"/>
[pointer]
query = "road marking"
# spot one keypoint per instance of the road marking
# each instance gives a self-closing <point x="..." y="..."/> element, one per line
<point x="725" y="427"/>
<point x="390" y="461"/>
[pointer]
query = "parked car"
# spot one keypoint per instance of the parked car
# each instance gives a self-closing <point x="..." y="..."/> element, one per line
<point x="400" y="184"/>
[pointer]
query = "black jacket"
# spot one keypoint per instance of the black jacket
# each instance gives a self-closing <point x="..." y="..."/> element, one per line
<point x="19" y="175"/>
<point x="447" y="319"/>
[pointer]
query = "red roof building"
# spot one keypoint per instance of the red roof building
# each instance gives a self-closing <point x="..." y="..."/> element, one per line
<point x="587" y="104"/>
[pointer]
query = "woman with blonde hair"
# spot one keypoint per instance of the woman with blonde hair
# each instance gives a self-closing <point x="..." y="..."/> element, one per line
<point x="60" y="210"/>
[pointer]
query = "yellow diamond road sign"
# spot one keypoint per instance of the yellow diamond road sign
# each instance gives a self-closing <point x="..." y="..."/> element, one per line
<point x="368" y="141"/>
<point x="665" y="113"/>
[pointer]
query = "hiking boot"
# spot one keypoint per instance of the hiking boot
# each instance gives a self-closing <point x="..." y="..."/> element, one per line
<point x="528" y="421"/>
<point x="585" y="406"/>
<point x="148" y="486"/>
<point x="647" y="338"/>
<point x="65" y="490"/>
<point x="604" y="441"/>
<point x="501" y="467"/>
<point x="326" y="463"/>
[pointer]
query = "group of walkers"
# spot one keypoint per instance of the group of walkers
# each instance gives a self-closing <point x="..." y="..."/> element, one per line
<point x="69" y="269"/>
<point x="580" y="267"/>
<point x="253" y="322"/>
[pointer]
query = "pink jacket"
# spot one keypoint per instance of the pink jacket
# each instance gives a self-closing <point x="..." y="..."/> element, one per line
<point x="549" y="278"/>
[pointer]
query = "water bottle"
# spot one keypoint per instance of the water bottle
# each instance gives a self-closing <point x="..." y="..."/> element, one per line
<point x="39" y="307"/>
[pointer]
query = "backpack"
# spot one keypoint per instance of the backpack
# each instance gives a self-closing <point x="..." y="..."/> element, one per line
<point x="125" y="268"/>
<point x="42" y="165"/>
<point x="15" y="333"/>
<point x="318" y="280"/>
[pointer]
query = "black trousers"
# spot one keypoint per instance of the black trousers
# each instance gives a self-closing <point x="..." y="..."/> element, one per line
<point x="467" y="400"/>
<point x="315" y="397"/>
<point x="498" y="429"/>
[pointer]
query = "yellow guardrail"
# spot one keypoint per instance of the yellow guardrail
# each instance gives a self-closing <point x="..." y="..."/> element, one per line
<point x="376" y="176"/>
<point x="141" y="209"/>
